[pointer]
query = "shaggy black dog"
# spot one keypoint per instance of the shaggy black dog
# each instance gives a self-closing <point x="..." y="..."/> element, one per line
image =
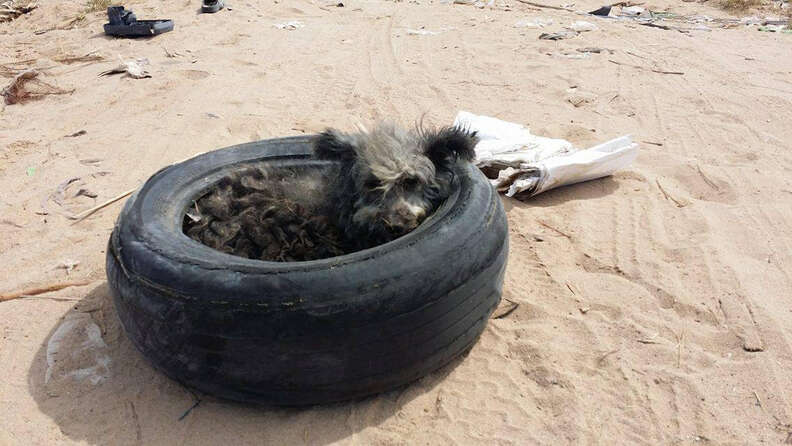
<point x="391" y="179"/>
<point x="382" y="185"/>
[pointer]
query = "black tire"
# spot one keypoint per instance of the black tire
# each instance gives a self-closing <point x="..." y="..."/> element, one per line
<point x="304" y="332"/>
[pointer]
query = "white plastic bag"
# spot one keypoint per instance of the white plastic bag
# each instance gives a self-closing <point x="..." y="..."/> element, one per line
<point x="533" y="164"/>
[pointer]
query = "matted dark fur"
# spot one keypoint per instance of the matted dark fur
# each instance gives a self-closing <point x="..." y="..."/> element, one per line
<point x="384" y="183"/>
<point x="265" y="213"/>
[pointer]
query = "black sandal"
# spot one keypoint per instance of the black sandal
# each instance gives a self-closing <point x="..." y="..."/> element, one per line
<point x="212" y="5"/>
<point x="123" y="23"/>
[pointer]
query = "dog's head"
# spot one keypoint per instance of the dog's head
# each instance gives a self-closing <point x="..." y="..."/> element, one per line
<point x="391" y="179"/>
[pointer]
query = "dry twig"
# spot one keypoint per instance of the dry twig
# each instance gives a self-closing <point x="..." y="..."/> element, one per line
<point x="42" y="289"/>
<point x="554" y="229"/>
<point x="68" y="24"/>
<point x="508" y="311"/>
<point x="196" y="402"/>
<point x="653" y="70"/>
<point x="541" y="5"/>
<point x="87" y="213"/>
<point x="602" y="358"/>
<point x="680" y="339"/>
<point x="170" y="54"/>
<point x="758" y="401"/>
<point x="70" y="59"/>
<point x="664" y="27"/>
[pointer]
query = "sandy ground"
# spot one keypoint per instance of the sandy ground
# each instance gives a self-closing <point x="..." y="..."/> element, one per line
<point x="655" y="306"/>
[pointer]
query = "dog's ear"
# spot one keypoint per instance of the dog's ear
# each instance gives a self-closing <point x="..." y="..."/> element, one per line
<point x="450" y="144"/>
<point x="334" y="145"/>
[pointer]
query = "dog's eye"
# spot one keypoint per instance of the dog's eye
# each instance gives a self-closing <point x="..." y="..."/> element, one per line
<point x="410" y="183"/>
<point x="371" y="183"/>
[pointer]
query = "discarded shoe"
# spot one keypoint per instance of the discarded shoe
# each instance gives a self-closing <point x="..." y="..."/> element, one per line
<point x="211" y="5"/>
<point x="123" y="23"/>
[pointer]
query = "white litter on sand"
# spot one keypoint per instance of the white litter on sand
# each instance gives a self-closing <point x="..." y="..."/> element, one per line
<point x="539" y="22"/>
<point x="421" y="32"/>
<point x="583" y="26"/>
<point x="294" y="24"/>
<point x="632" y="11"/>
<point x="133" y="68"/>
<point x="517" y="161"/>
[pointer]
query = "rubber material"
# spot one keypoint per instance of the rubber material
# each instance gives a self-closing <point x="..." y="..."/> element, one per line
<point x="211" y="6"/>
<point x="124" y="23"/>
<point x="302" y="333"/>
<point x="140" y="28"/>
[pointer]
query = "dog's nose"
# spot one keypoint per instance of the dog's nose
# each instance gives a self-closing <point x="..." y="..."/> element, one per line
<point x="397" y="229"/>
<point x="403" y="221"/>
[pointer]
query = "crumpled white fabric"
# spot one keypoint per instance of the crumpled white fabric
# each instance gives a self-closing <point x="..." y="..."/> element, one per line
<point x="517" y="161"/>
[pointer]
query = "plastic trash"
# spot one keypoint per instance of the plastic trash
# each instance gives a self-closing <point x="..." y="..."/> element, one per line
<point x="539" y="22"/>
<point x="772" y="28"/>
<point x="135" y="69"/>
<point x="775" y="21"/>
<point x="292" y="25"/>
<point x="603" y="12"/>
<point x="582" y="26"/>
<point x="752" y="20"/>
<point x="632" y="11"/>
<point x="518" y="162"/>
<point x="421" y="32"/>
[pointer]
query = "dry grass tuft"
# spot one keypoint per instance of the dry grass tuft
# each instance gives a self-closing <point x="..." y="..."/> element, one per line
<point x="11" y="9"/>
<point x="739" y="5"/>
<point x="97" y="5"/>
<point x="20" y="91"/>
